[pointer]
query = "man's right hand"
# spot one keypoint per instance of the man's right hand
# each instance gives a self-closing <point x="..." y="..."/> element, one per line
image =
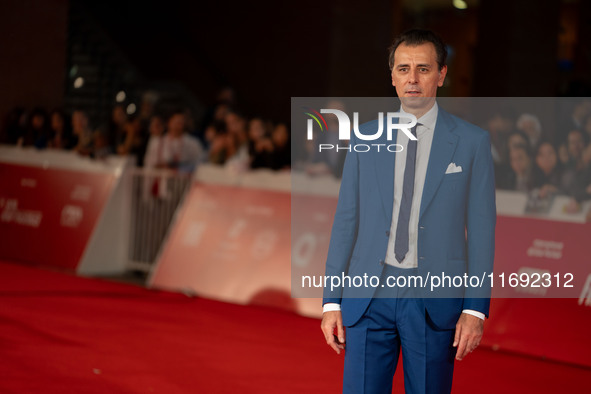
<point x="330" y="320"/>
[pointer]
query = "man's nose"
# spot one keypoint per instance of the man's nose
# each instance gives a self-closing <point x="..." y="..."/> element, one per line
<point x="413" y="76"/>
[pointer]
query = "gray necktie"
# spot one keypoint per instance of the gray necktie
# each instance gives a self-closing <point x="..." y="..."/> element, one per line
<point x="401" y="242"/>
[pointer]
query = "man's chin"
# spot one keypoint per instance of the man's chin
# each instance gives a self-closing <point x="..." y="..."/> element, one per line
<point x="416" y="103"/>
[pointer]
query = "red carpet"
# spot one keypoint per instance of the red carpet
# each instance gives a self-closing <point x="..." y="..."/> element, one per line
<point x="64" y="334"/>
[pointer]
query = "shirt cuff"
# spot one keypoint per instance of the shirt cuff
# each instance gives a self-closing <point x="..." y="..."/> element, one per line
<point x="479" y="315"/>
<point x="330" y="307"/>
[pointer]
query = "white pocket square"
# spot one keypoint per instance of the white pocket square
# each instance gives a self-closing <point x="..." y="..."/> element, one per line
<point x="452" y="168"/>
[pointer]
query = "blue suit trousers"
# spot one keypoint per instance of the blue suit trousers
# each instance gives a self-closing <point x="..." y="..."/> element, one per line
<point x="391" y="325"/>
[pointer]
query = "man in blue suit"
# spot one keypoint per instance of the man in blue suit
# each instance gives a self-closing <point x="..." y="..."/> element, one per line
<point x="426" y="211"/>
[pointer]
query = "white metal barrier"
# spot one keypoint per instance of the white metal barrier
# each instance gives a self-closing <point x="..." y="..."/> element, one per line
<point x="155" y="197"/>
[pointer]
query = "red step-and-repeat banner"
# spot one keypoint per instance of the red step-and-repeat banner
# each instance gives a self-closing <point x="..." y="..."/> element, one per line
<point x="47" y="215"/>
<point x="232" y="244"/>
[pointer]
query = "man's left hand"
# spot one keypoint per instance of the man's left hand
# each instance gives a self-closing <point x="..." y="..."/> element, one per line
<point x="469" y="330"/>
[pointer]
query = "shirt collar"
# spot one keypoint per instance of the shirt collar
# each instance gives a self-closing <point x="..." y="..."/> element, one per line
<point x="429" y="119"/>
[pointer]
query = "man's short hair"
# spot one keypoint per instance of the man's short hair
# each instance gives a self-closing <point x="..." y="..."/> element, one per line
<point x="415" y="37"/>
<point x="177" y="111"/>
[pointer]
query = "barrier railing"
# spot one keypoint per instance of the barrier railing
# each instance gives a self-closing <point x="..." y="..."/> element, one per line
<point x="155" y="196"/>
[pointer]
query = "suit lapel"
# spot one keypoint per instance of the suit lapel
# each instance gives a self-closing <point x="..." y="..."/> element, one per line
<point x="442" y="150"/>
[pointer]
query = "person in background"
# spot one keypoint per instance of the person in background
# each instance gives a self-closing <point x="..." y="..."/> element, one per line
<point x="117" y="122"/>
<point x="586" y="127"/>
<point x="546" y="175"/>
<point x="583" y="189"/>
<point x="500" y="126"/>
<point x="519" y="177"/>
<point x="571" y="157"/>
<point x="575" y="146"/>
<point x="147" y="106"/>
<point x="221" y="146"/>
<point x="15" y="125"/>
<point x="38" y="131"/>
<point x="154" y="159"/>
<point x="281" y="154"/>
<point x="504" y="173"/>
<point x="580" y="189"/>
<point x="530" y="125"/>
<point x="260" y="146"/>
<point x="82" y="133"/>
<point x="101" y="148"/>
<point x="570" y="151"/>
<point x="180" y="151"/>
<point x="215" y="126"/>
<point x="226" y="98"/>
<point x="236" y="126"/>
<point x="134" y="142"/>
<point x="517" y="139"/>
<point x="580" y="111"/>
<point x="61" y="132"/>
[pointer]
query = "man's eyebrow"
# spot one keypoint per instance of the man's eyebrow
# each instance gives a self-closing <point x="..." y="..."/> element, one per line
<point x="426" y="65"/>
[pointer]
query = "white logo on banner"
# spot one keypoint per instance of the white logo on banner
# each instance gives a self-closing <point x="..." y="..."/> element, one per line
<point x="585" y="297"/>
<point x="194" y="233"/>
<point x="11" y="213"/>
<point x="263" y="244"/>
<point x="304" y="249"/>
<point x="29" y="182"/>
<point x="71" y="216"/>
<point x="258" y="210"/>
<point x="547" y="249"/>
<point x="81" y="193"/>
<point x="230" y="248"/>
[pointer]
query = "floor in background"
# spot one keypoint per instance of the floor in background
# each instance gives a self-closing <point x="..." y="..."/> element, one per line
<point x="65" y="334"/>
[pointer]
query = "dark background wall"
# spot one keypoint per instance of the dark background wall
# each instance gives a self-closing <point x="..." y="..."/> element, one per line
<point x="517" y="48"/>
<point x="32" y="51"/>
<point x="272" y="51"/>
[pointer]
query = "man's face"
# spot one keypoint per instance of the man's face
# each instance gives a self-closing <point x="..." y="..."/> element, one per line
<point x="546" y="158"/>
<point x="156" y="126"/>
<point x="576" y="144"/>
<point x="79" y="122"/>
<point x="416" y="77"/>
<point x="519" y="161"/>
<point x="176" y="125"/>
<point x="516" y="140"/>
<point x="57" y="122"/>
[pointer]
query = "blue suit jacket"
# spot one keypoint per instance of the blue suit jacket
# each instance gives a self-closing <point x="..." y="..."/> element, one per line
<point x="456" y="223"/>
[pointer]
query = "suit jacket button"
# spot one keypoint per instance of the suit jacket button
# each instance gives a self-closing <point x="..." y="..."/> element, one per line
<point x="382" y="262"/>
<point x="422" y="258"/>
<point x="387" y="233"/>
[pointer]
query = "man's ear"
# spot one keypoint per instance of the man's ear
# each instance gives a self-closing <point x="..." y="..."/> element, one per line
<point x="442" y="74"/>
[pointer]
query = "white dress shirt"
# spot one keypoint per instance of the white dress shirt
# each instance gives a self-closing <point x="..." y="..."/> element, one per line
<point x="425" y="130"/>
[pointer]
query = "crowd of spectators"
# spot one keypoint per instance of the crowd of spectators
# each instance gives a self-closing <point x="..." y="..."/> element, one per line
<point x="530" y="159"/>
<point x="157" y="140"/>
<point x="233" y="140"/>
